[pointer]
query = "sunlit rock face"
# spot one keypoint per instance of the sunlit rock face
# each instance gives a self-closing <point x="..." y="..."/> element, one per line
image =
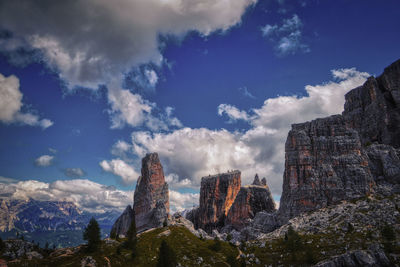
<point x="250" y="200"/>
<point x="151" y="199"/>
<point x="217" y="194"/>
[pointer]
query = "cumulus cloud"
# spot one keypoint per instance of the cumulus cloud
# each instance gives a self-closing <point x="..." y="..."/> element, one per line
<point x="11" y="105"/>
<point x="180" y="201"/>
<point x="74" y="172"/>
<point x="120" y="168"/>
<point x="287" y="37"/>
<point x="232" y="112"/>
<point x="88" y="195"/>
<point x="188" y="154"/>
<point x="83" y="50"/>
<point x="44" y="161"/>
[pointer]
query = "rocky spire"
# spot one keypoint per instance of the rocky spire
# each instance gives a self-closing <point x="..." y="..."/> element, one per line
<point x="264" y="181"/>
<point x="151" y="199"/>
<point x="256" y="180"/>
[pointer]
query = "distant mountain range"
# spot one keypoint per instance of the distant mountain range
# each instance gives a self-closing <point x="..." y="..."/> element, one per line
<point x="60" y="223"/>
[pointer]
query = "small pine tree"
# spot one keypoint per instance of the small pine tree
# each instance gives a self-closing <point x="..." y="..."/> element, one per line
<point x="92" y="235"/>
<point x="2" y="245"/>
<point x="231" y="260"/>
<point x="165" y="223"/>
<point x="166" y="257"/>
<point x="131" y="234"/>
<point x="229" y="237"/>
<point x="46" y="246"/>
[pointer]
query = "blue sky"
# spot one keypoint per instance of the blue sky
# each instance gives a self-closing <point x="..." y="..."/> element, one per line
<point x="211" y="88"/>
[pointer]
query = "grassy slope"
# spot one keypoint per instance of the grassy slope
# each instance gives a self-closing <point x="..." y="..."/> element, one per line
<point x="188" y="249"/>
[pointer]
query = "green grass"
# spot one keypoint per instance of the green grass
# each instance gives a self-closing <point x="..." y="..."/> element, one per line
<point x="187" y="247"/>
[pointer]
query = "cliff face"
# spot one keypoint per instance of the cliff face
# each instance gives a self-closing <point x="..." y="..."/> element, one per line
<point x="324" y="164"/>
<point x="345" y="156"/>
<point x="373" y="109"/>
<point x="250" y="200"/>
<point x="217" y="194"/>
<point x="151" y="199"/>
<point x="121" y="225"/>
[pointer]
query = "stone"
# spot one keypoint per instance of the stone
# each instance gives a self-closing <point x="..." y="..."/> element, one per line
<point x="217" y="194"/>
<point x="384" y="163"/>
<point x="357" y="258"/>
<point x="88" y="261"/>
<point x="256" y="180"/>
<point x="373" y="109"/>
<point x="264" y="181"/>
<point x="249" y="201"/>
<point x="324" y="164"/>
<point x="151" y="198"/>
<point x="122" y="224"/>
<point x="33" y="255"/>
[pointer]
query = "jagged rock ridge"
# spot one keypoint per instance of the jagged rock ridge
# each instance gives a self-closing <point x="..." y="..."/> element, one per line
<point x="151" y="198"/>
<point x="250" y="200"/>
<point x="345" y="156"/>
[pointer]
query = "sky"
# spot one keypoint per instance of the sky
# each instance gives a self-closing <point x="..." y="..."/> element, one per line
<point x="88" y="87"/>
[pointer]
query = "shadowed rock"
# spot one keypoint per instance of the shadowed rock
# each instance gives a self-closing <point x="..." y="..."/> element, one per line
<point x="121" y="225"/>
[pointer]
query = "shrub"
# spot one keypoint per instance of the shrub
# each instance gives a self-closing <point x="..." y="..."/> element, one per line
<point x="388" y="233"/>
<point x="216" y="246"/>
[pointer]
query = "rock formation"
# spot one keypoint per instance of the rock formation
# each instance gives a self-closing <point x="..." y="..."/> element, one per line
<point x="151" y="199"/>
<point x="344" y="156"/>
<point x="121" y="225"/>
<point x="217" y="194"/>
<point x="373" y="109"/>
<point x="324" y="164"/>
<point x="250" y="200"/>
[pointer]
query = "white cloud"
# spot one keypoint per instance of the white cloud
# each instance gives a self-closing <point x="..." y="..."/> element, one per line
<point x="188" y="154"/>
<point x="152" y="77"/>
<point x="120" y="168"/>
<point x="84" y="53"/>
<point x="74" y="172"/>
<point x="44" y="161"/>
<point x="180" y="201"/>
<point x="232" y="112"/>
<point x="131" y="109"/>
<point x="83" y="50"/>
<point x="246" y="92"/>
<point x="6" y="180"/>
<point x="11" y="105"/>
<point x="287" y="37"/>
<point x="88" y="195"/>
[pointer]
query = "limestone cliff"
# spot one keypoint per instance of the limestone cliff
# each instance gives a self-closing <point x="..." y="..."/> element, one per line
<point x="151" y="199"/>
<point x="250" y="200"/>
<point x="121" y="225"/>
<point x="217" y="194"/>
<point x="324" y="164"/>
<point x="345" y="156"/>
